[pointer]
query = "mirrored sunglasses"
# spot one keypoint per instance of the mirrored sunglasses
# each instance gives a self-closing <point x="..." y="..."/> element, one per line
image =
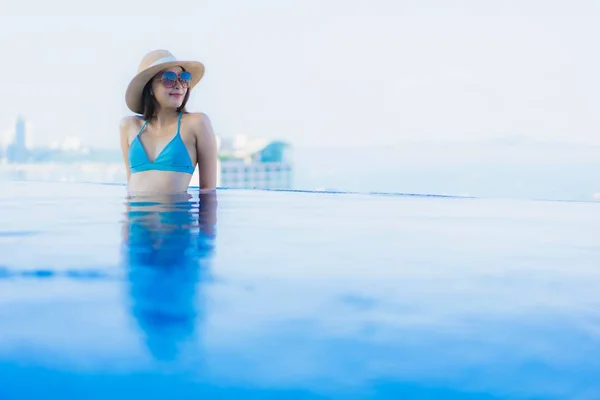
<point x="169" y="79"/>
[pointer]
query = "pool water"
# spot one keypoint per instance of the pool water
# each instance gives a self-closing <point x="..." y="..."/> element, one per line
<point x="276" y="294"/>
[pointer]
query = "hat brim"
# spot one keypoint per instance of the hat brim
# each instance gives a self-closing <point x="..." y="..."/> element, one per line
<point x="133" y="94"/>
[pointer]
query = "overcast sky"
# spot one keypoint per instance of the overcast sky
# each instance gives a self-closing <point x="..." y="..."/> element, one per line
<point x="313" y="72"/>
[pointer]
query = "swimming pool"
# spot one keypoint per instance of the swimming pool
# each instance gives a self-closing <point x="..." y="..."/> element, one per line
<point x="259" y="294"/>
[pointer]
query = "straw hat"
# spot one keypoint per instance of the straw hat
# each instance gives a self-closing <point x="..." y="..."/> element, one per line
<point x="152" y="64"/>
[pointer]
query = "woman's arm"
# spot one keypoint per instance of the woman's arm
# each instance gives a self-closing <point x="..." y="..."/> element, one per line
<point x="206" y="148"/>
<point x="124" y="130"/>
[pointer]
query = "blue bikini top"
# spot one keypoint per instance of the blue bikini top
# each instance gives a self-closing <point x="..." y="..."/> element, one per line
<point x="174" y="157"/>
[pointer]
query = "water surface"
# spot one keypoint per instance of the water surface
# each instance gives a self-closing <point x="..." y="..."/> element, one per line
<point x="255" y="294"/>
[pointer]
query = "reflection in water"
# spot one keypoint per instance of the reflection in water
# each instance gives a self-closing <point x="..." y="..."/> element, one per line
<point x="167" y="247"/>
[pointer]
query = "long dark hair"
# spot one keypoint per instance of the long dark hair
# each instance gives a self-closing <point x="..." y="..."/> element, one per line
<point x="149" y="102"/>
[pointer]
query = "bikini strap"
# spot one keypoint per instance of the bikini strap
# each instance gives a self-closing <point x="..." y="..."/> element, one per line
<point x="179" y="121"/>
<point x="142" y="128"/>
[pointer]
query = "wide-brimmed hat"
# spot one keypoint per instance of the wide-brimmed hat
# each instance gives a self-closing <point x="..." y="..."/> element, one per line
<point x="152" y="64"/>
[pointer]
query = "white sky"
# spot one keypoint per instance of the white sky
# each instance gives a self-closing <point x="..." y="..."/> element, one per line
<point x="314" y="72"/>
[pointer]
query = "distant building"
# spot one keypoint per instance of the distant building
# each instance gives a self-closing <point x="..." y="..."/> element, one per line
<point x="254" y="163"/>
<point x="17" y="151"/>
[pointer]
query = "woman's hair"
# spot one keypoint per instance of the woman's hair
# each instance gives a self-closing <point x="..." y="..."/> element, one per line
<point x="149" y="102"/>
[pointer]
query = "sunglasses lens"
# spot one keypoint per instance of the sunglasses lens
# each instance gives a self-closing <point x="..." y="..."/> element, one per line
<point x="169" y="78"/>
<point x="185" y="76"/>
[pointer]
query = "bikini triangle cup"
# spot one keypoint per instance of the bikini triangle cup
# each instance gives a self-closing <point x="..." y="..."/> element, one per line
<point x="174" y="156"/>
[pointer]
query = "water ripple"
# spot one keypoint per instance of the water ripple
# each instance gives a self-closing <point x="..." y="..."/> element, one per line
<point x="17" y="233"/>
<point x="48" y="273"/>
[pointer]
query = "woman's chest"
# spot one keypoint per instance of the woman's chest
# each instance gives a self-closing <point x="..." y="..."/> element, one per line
<point x="157" y="146"/>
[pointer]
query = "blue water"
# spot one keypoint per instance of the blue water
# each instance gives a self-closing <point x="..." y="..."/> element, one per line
<point x="291" y="295"/>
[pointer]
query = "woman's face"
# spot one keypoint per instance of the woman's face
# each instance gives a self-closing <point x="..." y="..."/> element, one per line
<point x="170" y="86"/>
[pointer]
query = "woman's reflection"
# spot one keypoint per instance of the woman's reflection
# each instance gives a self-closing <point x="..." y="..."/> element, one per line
<point x="168" y="243"/>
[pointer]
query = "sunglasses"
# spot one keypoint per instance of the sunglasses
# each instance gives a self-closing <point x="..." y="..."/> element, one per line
<point x="169" y="79"/>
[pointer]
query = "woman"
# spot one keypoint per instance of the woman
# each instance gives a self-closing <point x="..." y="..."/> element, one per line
<point x="162" y="146"/>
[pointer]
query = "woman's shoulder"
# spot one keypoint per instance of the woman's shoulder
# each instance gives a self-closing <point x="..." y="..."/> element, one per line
<point x="199" y="126"/>
<point x="130" y="123"/>
<point x="193" y="117"/>
<point x="198" y="122"/>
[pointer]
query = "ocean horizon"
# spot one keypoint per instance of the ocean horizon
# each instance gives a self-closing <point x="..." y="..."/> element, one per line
<point x="554" y="171"/>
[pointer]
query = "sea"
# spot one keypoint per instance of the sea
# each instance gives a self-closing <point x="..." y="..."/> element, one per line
<point x="502" y="169"/>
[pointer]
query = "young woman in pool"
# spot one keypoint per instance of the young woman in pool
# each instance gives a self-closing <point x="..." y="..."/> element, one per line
<point x="163" y="144"/>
